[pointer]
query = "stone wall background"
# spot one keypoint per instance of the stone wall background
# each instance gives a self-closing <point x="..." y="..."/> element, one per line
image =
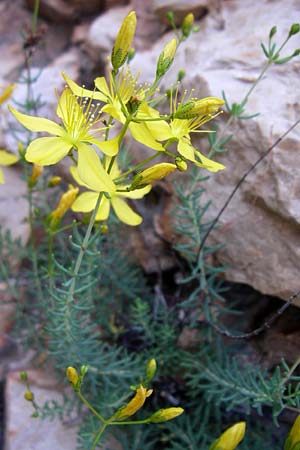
<point x="261" y="227"/>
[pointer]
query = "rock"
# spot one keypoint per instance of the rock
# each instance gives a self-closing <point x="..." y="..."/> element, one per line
<point x="147" y="24"/>
<point x="60" y="11"/>
<point x="261" y="225"/>
<point x="13" y="204"/>
<point x="23" y="431"/>
<point x="180" y="9"/>
<point x="103" y="32"/>
<point x="113" y="3"/>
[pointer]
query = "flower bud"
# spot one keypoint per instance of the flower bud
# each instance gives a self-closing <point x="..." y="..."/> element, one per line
<point x="231" y="438"/>
<point x="36" y="173"/>
<point x="29" y="396"/>
<point x="123" y="41"/>
<point x="135" y="403"/>
<point x="273" y="31"/>
<point x="65" y="202"/>
<point x="181" y="164"/>
<point x="6" y="93"/>
<point x="194" y="108"/>
<point x="163" y="415"/>
<point x="295" y="28"/>
<point x="54" y="181"/>
<point x="294" y="436"/>
<point x="187" y="24"/>
<point x="166" y="58"/>
<point x="72" y="376"/>
<point x="180" y="75"/>
<point x="23" y="376"/>
<point x="154" y="173"/>
<point x="151" y="370"/>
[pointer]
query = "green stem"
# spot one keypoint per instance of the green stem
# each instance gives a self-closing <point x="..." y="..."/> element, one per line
<point x="81" y="253"/>
<point x="243" y="102"/>
<point x="99" y="434"/>
<point x="137" y="167"/>
<point x="35" y="15"/>
<point x="91" y="408"/>
<point x="290" y="373"/>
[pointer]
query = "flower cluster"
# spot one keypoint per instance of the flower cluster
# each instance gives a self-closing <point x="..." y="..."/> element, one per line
<point x="93" y="124"/>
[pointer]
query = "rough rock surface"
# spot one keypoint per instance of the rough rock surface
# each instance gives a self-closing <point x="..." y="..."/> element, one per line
<point x="22" y="431"/>
<point x="261" y="225"/>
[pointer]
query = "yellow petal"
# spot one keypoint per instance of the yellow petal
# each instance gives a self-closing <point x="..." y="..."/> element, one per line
<point x="1" y="177"/>
<point x="85" y="202"/>
<point x="101" y="85"/>
<point x="91" y="170"/>
<point x="134" y="405"/>
<point x="80" y="91"/>
<point x="209" y="164"/>
<point x="109" y="148"/>
<point x="114" y="110"/>
<point x="186" y="149"/>
<point x="47" y="150"/>
<point x="74" y="173"/>
<point x="142" y="134"/>
<point x="6" y="159"/>
<point x="124" y="212"/>
<point x="103" y="210"/>
<point x="34" y="123"/>
<point x="136" y="193"/>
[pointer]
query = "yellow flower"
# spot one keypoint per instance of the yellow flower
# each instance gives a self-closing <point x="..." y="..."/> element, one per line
<point x="117" y="105"/>
<point x="79" y="120"/>
<point x="294" y="436"/>
<point x="6" y="93"/>
<point x="123" y="41"/>
<point x="134" y="405"/>
<point x="89" y="174"/>
<point x="36" y="173"/>
<point x="179" y="129"/>
<point x="6" y="159"/>
<point x="163" y="415"/>
<point x="65" y="203"/>
<point x="231" y="438"/>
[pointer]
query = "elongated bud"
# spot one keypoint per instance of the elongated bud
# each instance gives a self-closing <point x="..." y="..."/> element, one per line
<point x="6" y="93"/>
<point x="293" y="438"/>
<point x="135" y="403"/>
<point x="187" y="24"/>
<point x="154" y="173"/>
<point x="231" y="438"/>
<point x="65" y="203"/>
<point x="166" y="58"/>
<point x="203" y="107"/>
<point x="163" y="415"/>
<point x="180" y="75"/>
<point x="72" y="376"/>
<point x="151" y="370"/>
<point x="54" y="181"/>
<point x="36" y="173"/>
<point x="273" y="31"/>
<point x="23" y="376"/>
<point x="295" y="28"/>
<point x="181" y="164"/>
<point x="123" y="41"/>
<point x="29" y="396"/>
